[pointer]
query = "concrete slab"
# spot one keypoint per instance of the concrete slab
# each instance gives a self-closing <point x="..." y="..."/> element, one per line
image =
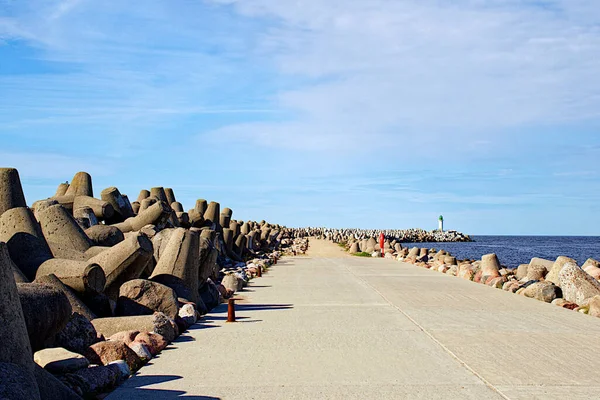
<point x="347" y="328"/>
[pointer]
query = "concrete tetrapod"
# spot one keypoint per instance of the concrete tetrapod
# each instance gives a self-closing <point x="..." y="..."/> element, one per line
<point x="181" y="259"/>
<point x="26" y="243"/>
<point x="11" y="191"/>
<point x="77" y="305"/>
<point x="60" y="228"/>
<point x="84" y="277"/>
<point x="211" y="216"/>
<point x="13" y="331"/>
<point x="170" y="195"/>
<point x="124" y="261"/>
<point x="120" y="206"/>
<point x="102" y="209"/>
<point x="157" y="214"/>
<point x="46" y="310"/>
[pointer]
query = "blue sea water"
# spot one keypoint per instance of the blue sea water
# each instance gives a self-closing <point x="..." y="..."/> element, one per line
<point x="515" y="250"/>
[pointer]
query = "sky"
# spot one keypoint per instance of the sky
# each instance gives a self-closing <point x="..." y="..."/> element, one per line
<point x="339" y="113"/>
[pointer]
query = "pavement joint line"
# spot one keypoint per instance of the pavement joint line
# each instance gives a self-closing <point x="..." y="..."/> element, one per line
<point x="425" y="331"/>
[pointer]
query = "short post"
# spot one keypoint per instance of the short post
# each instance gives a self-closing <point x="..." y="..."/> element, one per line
<point x="231" y="310"/>
<point x="259" y="271"/>
<point x="382" y="243"/>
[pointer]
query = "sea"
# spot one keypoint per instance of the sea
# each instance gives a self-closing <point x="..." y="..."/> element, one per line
<point x="515" y="250"/>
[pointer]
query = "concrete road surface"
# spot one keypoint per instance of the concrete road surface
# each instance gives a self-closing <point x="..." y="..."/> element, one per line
<point x="331" y="326"/>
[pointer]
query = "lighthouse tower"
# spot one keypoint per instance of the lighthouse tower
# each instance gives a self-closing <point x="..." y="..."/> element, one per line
<point x="441" y="223"/>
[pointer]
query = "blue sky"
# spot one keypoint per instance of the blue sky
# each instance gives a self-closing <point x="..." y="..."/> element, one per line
<point x="365" y="113"/>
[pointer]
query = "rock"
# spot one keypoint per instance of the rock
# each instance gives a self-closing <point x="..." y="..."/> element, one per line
<point x="122" y="368"/>
<point x="354" y="248"/>
<point x="105" y="235"/>
<point x="144" y="297"/>
<point x="51" y="388"/>
<point x="496" y="282"/>
<point x="103" y="353"/>
<point x="58" y="360"/>
<point x="594" y="306"/>
<point x="188" y="313"/>
<point x="78" y="334"/>
<point x="94" y="380"/>
<point x="46" y="310"/>
<point x="552" y="275"/>
<point x="576" y="284"/>
<point x="543" y="291"/>
<point x="126" y="337"/>
<point x="154" y="342"/>
<point x="231" y="282"/>
<point x="158" y="323"/>
<point x="490" y="266"/>
<point x="141" y="350"/>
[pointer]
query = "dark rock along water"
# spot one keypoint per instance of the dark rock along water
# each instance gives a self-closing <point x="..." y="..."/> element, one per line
<point x="515" y="250"/>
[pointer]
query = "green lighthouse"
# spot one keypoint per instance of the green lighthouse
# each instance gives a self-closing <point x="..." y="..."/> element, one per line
<point x="441" y="223"/>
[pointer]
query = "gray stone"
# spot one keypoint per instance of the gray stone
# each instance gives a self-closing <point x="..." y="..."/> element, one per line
<point x="576" y="284"/>
<point x="144" y="297"/>
<point x="59" y="361"/>
<point x="543" y="291"/>
<point x="11" y="191"/>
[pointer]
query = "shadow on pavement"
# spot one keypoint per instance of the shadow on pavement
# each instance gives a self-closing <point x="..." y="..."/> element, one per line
<point x="139" y="392"/>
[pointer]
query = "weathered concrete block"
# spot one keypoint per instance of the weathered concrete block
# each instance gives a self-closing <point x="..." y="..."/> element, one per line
<point x="46" y="310"/>
<point x="59" y="227"/>
<point x="11" y="191"/>
<point x="81" y="276"/>
<point x="181" y="259"/>
<point x="26" y="243"/>
<point x="124" y="261"/>
<point x="15" y="348"/>
<point x="104" y="235"/>
<point x="77" y="305"/>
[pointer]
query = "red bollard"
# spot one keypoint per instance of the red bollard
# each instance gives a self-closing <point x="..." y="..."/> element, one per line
<point x="382" y="243"/>
<point x="231" y="310"/>
<point x="259" y="271"/>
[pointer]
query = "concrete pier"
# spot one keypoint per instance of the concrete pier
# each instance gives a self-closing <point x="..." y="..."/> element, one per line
<point x="333" y="326"/>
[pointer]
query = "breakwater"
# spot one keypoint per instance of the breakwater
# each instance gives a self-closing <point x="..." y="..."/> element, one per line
<point x="397" y="235"/>
<point x="95" y="287"/>
<point x="561" y="281"/>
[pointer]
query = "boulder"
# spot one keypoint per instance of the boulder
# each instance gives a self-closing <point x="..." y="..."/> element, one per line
<point x="543" y="291"/>
<point x="57" y="360"/>
<point x="51" y="388"/>
<point x="594" y="304"/>
<point x="576" y="284"/>
<point x="103" y="353"/>
<point x="157" y="323"/>
<point x="154" y="342"/>
<point x="77" y="335"/>
<point x="538" y="268"/>
<point x="144" y="297"/>
<point x="126" y="337"/>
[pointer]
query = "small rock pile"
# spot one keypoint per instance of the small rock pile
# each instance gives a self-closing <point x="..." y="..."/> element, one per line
<point x="93" y="288"/>
<point x="396" y="235"/>
<point x="561" y="282"/>
<point x="294" y="246"/>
